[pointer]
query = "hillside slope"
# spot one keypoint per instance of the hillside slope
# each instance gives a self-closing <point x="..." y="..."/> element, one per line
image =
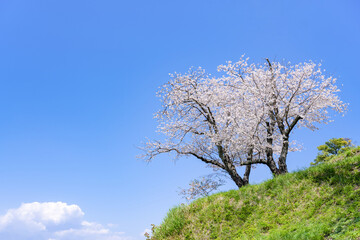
<point x="321" y="202"/>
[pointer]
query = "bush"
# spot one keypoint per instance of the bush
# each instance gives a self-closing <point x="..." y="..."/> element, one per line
<point x="331" y="148"/>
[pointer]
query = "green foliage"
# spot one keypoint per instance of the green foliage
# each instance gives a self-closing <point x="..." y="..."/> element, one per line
<point x="331" y="148"/>
<point x="176" y="222"/>
<point x="321" y="202"/>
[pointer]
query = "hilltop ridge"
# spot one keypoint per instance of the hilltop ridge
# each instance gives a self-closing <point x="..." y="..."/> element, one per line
<point x="320" y="202"/>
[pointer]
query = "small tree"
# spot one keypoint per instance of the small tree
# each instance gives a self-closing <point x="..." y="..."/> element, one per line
<point x="202" y="187"/>
<point x="331" y="148"/>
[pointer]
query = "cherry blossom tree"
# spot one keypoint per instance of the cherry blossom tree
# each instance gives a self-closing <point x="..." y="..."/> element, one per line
<point x="243" y="117"/>
<point x="191" y="120"/>
<point x="282" y="97"/>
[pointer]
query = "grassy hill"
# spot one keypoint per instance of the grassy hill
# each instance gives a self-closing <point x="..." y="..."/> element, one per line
<point x="321" y="202"/>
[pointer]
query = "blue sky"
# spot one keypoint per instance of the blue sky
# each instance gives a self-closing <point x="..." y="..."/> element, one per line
<point x="78" y="83"/>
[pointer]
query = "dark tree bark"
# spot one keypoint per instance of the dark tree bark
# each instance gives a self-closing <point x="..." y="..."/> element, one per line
<point x="283" y="155"/>
<point x="247" y="174"/>
<point x="230" y="168"/>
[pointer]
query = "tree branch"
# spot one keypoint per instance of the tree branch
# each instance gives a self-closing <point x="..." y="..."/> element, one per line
<point x="257" y="161"/>
<point x="292" y="125"/>
<point x="205" y="160"/>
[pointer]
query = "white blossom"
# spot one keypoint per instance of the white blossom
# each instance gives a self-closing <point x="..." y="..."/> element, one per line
<point x="246" y="115"/>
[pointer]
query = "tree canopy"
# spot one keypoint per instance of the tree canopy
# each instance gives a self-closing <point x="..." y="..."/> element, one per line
<point x="244" y="116"/>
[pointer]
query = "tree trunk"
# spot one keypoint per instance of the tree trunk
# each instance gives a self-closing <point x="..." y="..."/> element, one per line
<point x="283" y="155"/>
<point x="230" y="168"/>
<point x="247" y="174"/>
<point x="273" y="168"/>
<point x="271" y="162"/>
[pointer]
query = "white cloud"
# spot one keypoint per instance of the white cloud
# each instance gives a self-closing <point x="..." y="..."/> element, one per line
<point x="89" y="231"/>
<point x="52" y="221"/>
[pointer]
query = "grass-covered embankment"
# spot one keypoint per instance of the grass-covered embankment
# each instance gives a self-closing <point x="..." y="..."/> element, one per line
<point x="321" y="202"/>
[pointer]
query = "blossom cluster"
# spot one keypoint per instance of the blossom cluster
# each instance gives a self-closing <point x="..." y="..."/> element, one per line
<point x="248" y="112"/>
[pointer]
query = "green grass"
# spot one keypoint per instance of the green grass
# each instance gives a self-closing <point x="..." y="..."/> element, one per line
<point x="321" y="202"/>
